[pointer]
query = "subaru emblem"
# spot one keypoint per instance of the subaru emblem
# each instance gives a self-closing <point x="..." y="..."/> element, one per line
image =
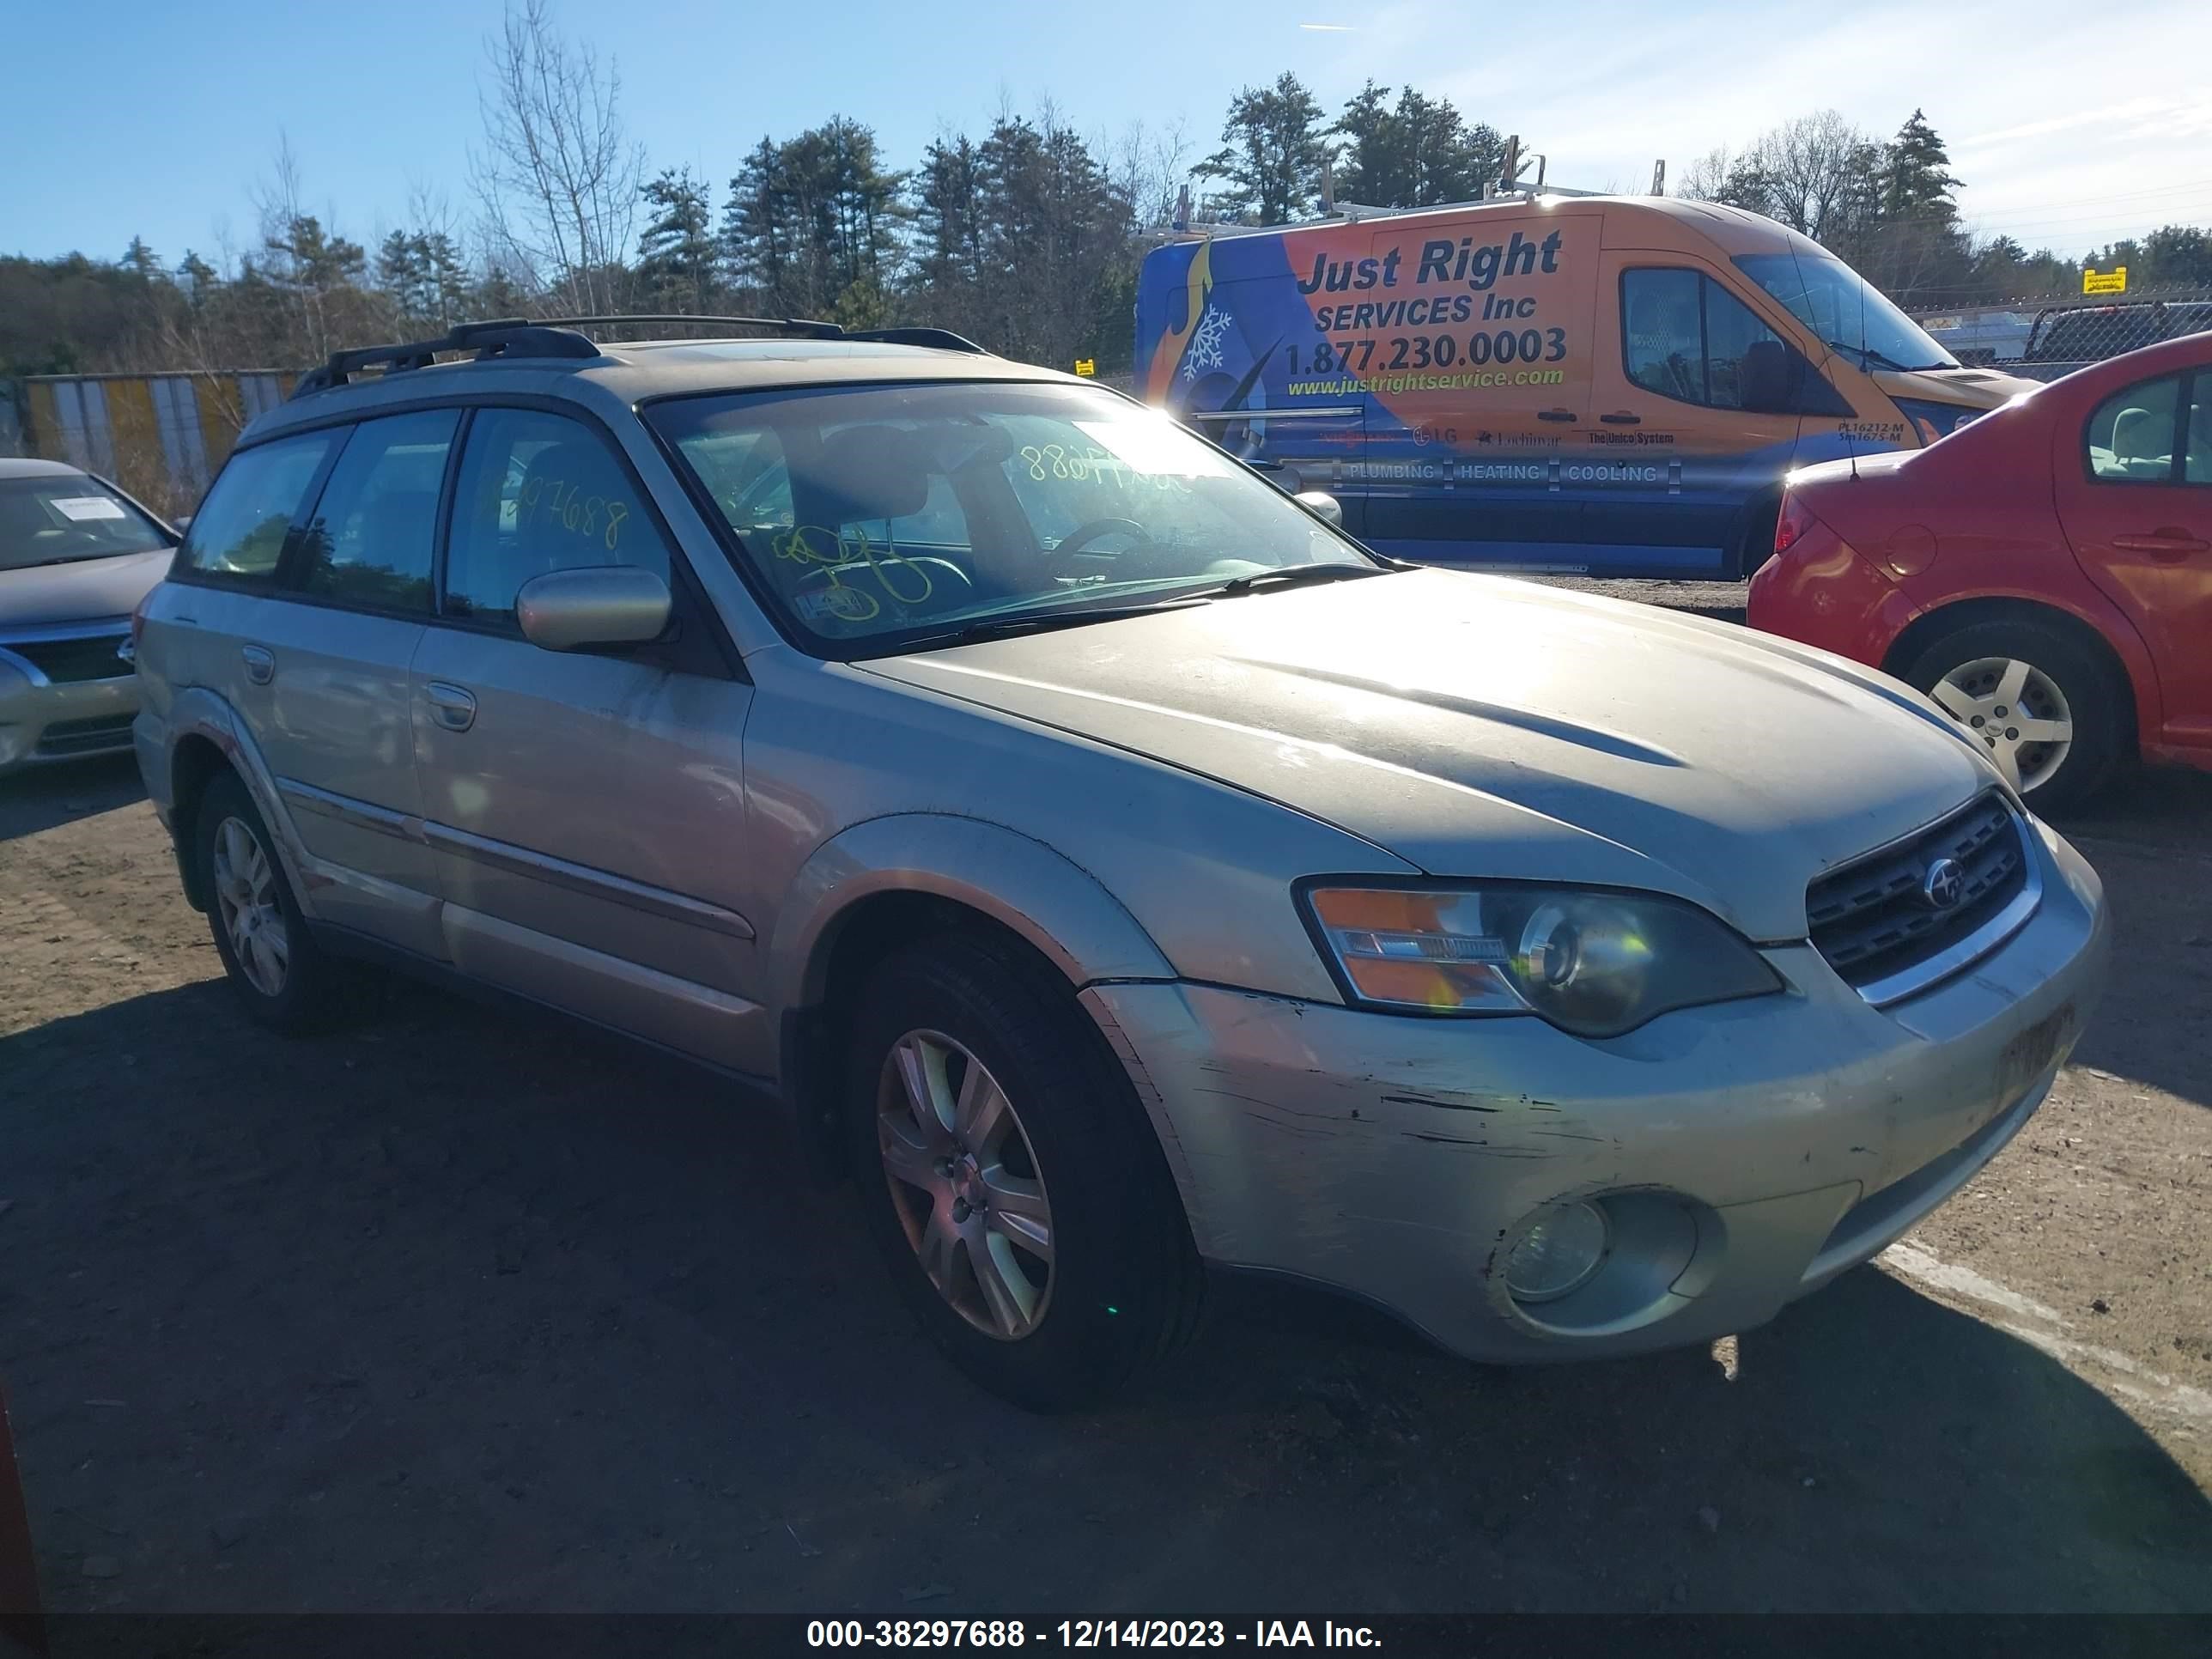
<point x="1944" y="884"/>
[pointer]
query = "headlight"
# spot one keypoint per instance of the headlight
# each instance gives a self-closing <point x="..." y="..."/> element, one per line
<point x="1591" y="961"/>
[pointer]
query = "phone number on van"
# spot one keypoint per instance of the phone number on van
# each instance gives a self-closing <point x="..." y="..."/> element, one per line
<point x="1504" y="345"/>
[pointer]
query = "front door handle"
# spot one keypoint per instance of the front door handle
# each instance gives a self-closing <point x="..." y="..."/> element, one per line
<point x="1555" y="414"/>
<point x="453" y="707"/>
<point x="1622" y="418"/>
<point x="260" y="663"/>
<point x="2167" y="541"/>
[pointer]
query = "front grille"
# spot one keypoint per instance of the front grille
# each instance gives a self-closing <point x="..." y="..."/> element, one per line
<point x="63" y="661"/>
<point x="1871" y="919"/>
<point x="86" y="736"/>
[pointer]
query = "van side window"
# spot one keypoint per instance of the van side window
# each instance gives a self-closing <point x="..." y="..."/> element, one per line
<point x="241" y="530"/>
<point x="539" y="493"/>
<point x="1686" y="337"/>
<point x="2130" y="435"/>
<point x="369" y="542"/>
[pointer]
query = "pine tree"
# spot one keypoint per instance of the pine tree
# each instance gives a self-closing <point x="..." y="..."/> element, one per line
<point x="1270" y="154"/>
<point x="1916" y="178"/>
<point x="676" y="250"/>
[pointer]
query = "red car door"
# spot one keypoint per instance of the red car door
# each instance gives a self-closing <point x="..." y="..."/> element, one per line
<point x="2134" y="490"/>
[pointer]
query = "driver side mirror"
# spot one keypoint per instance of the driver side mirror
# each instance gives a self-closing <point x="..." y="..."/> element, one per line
<point x="1323" y="505"/>
<point x="602" y="604"/>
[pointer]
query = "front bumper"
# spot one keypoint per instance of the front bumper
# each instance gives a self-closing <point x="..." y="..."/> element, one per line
<point x="1745" y="1153"/>
<point x="43" y="722"/>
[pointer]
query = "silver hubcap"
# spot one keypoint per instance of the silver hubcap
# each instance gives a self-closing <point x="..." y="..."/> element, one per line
<point x="2014" y="708"/>
<point x="245" y="894"/>
<point x="965" y="1184"/>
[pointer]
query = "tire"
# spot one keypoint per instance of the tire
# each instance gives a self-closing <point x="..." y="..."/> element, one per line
<point x="283" y="978"/>
<point x="2065" y="682"/>
<point x="1071" y="1151"/>
<point x="1755" y="541"/>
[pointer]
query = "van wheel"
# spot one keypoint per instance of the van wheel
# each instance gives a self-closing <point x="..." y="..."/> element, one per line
<point x="1010" y="1177"/>
<point x="1755" y="543"/>
<point x="284" y="980"/>
<point x="2038" y="699"/>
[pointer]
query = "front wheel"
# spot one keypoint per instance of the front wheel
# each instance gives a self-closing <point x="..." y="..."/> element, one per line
<point x="1010" y="1177"/>
<point x="2037" y="699"/>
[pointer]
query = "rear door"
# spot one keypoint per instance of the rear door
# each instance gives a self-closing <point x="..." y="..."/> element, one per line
<point x="1674" y="460"/>
<point x="318" y="678"/>
<point x="336" y="644"/>
<point x="585" y="810"/>
<point x="2135" y="494"/>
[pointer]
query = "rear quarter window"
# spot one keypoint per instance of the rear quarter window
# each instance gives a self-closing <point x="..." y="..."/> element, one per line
<point x="240" y="532"/>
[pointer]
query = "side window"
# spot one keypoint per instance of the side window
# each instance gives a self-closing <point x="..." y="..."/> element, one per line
<point x="2197" y="448"/>
<point x="369" y="543"/>
<point x="240" y="532"/>
<point x="539" y="493"/>
<point x="1662" y="335"/>
<point x="2130" y="435"/>
<point x="1744" y="358"/>
<point x="1686" y="337"/>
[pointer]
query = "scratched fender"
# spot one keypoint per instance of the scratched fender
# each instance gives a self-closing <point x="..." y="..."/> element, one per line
<point x="1051" y="901"/>
<point x="198" y="711"/>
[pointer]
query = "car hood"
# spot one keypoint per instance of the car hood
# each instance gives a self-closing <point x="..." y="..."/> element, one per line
<point x="1974" y="388"/>
<point x="89" y="590"/>
<point x="1477" y="725"/>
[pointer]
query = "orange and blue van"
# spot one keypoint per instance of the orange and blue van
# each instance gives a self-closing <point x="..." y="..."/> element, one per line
<point x="1612" y="385"/>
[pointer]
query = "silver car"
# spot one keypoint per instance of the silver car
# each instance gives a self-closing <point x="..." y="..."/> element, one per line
<point x="1114" y="869"/>
<point x="76" y="555"/>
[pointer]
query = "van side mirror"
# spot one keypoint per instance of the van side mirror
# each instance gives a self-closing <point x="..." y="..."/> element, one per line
<point x="1323" y="505"/>
<point x="601" y="604"/>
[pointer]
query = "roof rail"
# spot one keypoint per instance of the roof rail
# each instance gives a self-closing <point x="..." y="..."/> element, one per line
<point x="806" y="328"/>
<point x="503" y="337"/>
<point x="556" y="337"/>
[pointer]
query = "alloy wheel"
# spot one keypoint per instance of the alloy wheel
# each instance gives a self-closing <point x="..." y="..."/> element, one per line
<point x="964" y="1182"/>
<point x="2016" y="709"/>
<point x="246" y="895"/>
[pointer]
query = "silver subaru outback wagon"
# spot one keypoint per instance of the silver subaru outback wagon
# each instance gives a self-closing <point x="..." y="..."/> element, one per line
<point x="1114" y="869"/>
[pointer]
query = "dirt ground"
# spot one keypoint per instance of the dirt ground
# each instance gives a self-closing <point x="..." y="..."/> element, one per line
<point x="466" y="1309"/>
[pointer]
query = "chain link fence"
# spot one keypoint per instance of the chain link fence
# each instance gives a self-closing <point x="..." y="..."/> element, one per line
<point x="2042" y="339"/>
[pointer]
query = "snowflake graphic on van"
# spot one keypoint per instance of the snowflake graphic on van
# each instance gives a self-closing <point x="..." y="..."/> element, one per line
<point x="1205" y="350"/>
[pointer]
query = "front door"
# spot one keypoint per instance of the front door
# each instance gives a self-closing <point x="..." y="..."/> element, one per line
<point x="586" y="810"/>
<point x="1677" y="452"/>
<point x="2134" y="496"/>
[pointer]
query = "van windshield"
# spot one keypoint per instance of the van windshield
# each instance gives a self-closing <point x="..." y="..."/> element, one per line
<point x="1847" y="312"/>
<point x="879" y="516"/>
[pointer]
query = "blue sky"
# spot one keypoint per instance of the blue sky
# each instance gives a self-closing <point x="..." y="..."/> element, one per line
<point x="2070" y="123"/>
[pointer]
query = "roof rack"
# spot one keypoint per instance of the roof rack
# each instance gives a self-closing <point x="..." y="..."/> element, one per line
<point x="556" y="337"/>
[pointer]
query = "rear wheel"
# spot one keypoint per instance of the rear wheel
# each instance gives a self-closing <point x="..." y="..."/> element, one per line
<point x="2038" y="699"/>
<point x="283" y="979"/>
<point x="1010" y="1177"/>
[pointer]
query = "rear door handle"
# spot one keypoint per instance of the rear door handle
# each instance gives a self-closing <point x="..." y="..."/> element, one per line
<point x="453" y="707"/>
<point x="2168" y="542"/>
<point x="1622" y="418"/>
<point x="260" y="663"/>
<point x="1555" y="414"/>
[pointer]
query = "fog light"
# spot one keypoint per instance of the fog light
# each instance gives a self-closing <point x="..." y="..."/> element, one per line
<point x="1557" y="1254"/>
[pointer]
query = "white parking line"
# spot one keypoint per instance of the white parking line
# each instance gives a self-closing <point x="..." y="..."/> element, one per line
<point x="2144" y="1387"/>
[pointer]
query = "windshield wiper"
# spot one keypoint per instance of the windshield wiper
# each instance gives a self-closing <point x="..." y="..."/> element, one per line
<point x="1292" y="575"/>
<point x="1869" y="354"/>
<point x="1038" y="622"/>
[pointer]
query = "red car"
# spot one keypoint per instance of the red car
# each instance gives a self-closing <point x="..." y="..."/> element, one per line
<point x="2044" y="572"/>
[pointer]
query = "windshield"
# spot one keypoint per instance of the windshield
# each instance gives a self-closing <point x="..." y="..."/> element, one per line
<point x="888" y="513"/>
<point x="62" y="517"/>
<point x="1847" y="312"/>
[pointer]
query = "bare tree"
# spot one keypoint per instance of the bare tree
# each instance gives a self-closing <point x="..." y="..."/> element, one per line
<point x="558" y="177"/>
